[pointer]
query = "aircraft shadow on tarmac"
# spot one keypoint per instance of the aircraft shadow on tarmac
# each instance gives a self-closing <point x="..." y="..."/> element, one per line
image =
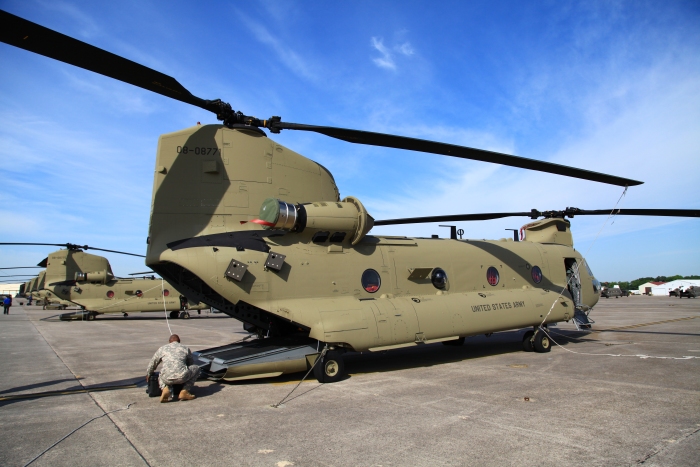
<point x="36" y="385"/>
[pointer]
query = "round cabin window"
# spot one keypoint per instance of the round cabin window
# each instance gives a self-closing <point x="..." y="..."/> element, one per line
<point x="492" y="276"/>
<point x="110" y="294"/>
<point x="439" y="278"/>
<point x="139" y="293"/>
<point x="166" y="292"/>
<point x="371" y="280"/>
<point x="536" y="274"/>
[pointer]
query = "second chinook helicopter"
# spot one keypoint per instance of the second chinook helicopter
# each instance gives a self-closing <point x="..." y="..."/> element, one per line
<point x="74" y="277"/>
<point x="263" y="235"/>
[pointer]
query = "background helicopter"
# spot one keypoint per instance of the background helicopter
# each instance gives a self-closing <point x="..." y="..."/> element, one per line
<point x="74" y="277"/>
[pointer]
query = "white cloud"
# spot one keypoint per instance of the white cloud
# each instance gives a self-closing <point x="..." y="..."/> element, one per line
<point x="387" y="60"/>
<point x="289" y="57"/>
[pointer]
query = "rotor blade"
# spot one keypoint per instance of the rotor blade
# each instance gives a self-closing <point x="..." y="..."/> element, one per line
<point x="571" y="212"/>
<point x="44" y="41"/>
<point x="139" y="273"/>
<point x="433" y="147"/>
<point x="20" y="275"/>
<point x="112" y="251"/>
<point x="72" y="246"/>
<point x="30" y="36"/>
<point x="24" y="267"/>
<point x="534" y="214"/>
<point x="450" y="218"/>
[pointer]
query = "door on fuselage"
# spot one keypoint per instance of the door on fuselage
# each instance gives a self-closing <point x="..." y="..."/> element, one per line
<point x="573" y="280"/>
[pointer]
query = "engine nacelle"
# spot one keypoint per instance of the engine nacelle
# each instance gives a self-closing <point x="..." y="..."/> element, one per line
<point x="97" y="276"/>
<point x="347" y="217"/>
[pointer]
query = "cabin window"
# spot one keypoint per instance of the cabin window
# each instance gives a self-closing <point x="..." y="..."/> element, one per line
<point x="139" y="293"/>
<point x="110" y="294"/>
<point x="492" y="276"/>
<point x="371" y="280"/>
<point x="439" y="278"/>
<point x="536" y="274"/>
<point x="166" y="292"/>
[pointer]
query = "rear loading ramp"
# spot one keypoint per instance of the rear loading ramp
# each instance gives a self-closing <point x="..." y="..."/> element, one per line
<point x="262" y="358"/>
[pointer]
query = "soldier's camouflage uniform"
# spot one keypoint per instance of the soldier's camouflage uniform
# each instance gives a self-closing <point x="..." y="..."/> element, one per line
<point x="178" y="366"/>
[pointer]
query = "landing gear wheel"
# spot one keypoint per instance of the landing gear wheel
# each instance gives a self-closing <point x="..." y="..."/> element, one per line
<point x="184" y="315"/>
<point x="527" y="341"/>
<point x="174" y="314"/>
<point x="541" y="342"/>
<point x="331" y="369"/>
<point x="456" y="342"/>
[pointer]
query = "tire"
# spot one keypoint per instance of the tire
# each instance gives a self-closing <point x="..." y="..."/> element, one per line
<point x="331" y="369"/>
<point x="527" y="341"/>
<point x="455" y="343"/>
<point x="541" y="342"/>
<point x="174" y="314"/>
<point x="184" y="315"/>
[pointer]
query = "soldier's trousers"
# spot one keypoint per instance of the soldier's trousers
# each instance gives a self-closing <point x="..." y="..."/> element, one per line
<point x="187" y="380"/>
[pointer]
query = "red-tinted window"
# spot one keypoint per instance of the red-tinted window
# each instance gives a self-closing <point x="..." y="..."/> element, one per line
<point x="536" y="274"/>
<point x="492" y="276"/>
<point x="166" y="292"/>
<point x="110" y="294"/>
<point x="371" y="280"/>
<point x="139" y="293"/>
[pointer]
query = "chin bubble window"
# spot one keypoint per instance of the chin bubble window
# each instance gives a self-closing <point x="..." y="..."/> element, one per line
<point x="439" y="278"/>
<point x="492" y="276"/>
<point x="371" y="280"/>
<point x="536" y="274"/>
<point x="110" y="294"/>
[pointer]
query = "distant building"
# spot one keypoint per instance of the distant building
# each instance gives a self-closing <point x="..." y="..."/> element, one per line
<point x="646" y="289"/>
<point x="665" y="288"/>
<point x="11" y="289"/>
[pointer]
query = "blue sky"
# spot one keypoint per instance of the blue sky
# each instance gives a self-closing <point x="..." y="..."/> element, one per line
<point x="606" y="86"/>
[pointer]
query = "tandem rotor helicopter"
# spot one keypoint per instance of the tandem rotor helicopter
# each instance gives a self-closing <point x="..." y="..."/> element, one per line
<point x="269" y="241"/>
<point x="74" y="277"/>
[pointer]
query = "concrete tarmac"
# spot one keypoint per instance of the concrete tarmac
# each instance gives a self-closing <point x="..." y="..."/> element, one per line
<point x="625" y="394"/>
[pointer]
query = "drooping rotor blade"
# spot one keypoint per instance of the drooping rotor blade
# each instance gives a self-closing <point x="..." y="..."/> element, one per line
<point x="44" y="41"/>
<point x="41" y="40"/>
<point x="24" y="267"/>
<point x="20" y="275"/>
<point x="534" y="214"/>
<point x="139" y="273"/>
<point x="463" y="152"/>
<point x="72" y="246"/>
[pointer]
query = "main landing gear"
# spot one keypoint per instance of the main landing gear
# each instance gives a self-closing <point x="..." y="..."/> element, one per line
<point x="330" y="368"/>
<point x="536" y="340"/>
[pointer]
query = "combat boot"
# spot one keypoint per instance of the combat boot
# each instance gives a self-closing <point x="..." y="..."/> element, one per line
<point x="186" y="395"/>
<point x="165" y="395"/>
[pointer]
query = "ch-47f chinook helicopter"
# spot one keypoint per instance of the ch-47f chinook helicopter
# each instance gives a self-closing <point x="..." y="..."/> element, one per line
<point x="74" y="277"/>
<point x="269" y="241"/>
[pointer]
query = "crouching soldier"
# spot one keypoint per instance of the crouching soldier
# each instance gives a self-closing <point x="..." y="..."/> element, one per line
<point x="178" y="368"/>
